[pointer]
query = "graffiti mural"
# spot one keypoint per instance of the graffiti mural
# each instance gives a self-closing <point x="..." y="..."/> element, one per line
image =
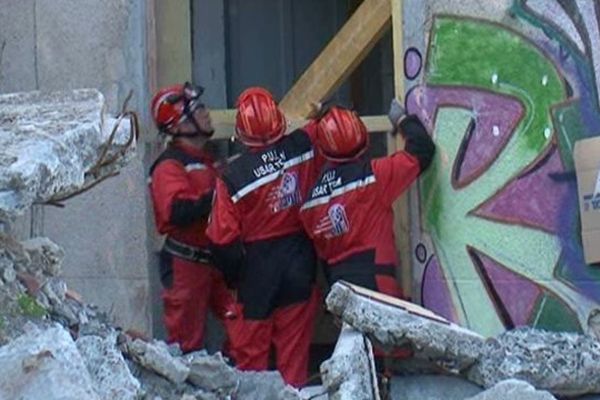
<point x="498" y="242"/>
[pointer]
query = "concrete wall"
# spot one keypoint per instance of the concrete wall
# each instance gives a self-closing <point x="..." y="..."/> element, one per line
<point x="506" y="87"/>
<point x="62" y="44"/>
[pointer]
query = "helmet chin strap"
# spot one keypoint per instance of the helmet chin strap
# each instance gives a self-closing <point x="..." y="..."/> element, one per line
<point x="189" y="113"/>
<point x="198" y="132"/>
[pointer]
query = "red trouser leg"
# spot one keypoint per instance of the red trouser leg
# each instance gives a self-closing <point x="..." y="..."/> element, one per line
<point x="293" y="331"/>
<point x="222" y="302"/>
<point x="185" y="304"/>
<point x="223" y="305"/>
<point x="250" y="342"/>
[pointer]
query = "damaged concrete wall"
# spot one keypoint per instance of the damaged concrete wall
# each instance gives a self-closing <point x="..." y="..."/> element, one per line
<point x="512" y="364"/>
<point x="506" y="88"/>
<point x="58" y="44"/>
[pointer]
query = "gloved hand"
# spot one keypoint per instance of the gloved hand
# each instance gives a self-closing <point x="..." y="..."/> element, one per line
<point x="316" y="110"/>
<point x="320" y="109"/>
<point x="396" y="112"/>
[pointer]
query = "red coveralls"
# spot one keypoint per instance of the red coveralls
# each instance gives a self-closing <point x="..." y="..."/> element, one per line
<point x="349" y="215"/>
<point x="181" y="185"/>
<point x="260" y="245"/>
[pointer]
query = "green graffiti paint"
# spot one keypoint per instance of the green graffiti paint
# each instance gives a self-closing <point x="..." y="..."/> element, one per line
<point x="475" y="54"/>
<point x="553" y="315"/>
<point x="552" y="31"/>
<point x="569" y="128"/>
<point x="480" y="54"/>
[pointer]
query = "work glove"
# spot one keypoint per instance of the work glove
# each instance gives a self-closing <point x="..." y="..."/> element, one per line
<point x="321" y="108"/>
<point x="396" y="113"/>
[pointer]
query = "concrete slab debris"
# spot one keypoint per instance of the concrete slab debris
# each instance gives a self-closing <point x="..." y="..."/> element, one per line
<point x="513" y="389"/>
<point x="55" y="143"/>
<point x="350" y="372"/>
<point x="44" y="363"/>
<point x="394" y="323"/>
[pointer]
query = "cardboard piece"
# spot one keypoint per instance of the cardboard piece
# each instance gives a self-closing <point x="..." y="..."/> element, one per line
<point x="396" y="302"/>
<point x="587" y="165"/>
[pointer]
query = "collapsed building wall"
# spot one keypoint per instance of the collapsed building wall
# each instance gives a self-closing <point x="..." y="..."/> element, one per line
<point x="506" y="87"/>
<point x="53" y="344"/>
<point x="49" y="45"/>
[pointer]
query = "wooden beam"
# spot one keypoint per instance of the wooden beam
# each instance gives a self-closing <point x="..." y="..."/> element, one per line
<point x="401" y="206"/>
<point x="398" y="47"/>
<point x="173" y="41"/>
<point x="224" y="123"/>
<point x="339" y="58"/>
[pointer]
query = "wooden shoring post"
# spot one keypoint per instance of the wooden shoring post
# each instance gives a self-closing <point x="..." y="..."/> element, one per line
<point x="339" y="58"/>
<point x="224" y="123"/>
<point x="401" y="206"/>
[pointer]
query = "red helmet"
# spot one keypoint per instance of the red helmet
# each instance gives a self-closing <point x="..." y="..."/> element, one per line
<point x="341" y="135"/>
<point x="259" y="122"/>
<point x="174" y="104"/>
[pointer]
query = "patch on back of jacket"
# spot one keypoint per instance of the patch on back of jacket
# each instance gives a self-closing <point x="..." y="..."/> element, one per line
<point x="286" y="194"/>
<point x="334" y="223"/>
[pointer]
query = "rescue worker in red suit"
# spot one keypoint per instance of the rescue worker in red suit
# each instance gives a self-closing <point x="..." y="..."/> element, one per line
<point x="348" y="213"/>
<point x="259" y="242"/>
<point x="182" y="184"/>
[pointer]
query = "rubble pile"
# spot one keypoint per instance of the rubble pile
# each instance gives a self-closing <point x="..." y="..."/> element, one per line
<point x="48" y="361"/>
<point x="523" y="363"/>
<point x="563" y="363"/>
<point x="31" y="290"/>
<point x="52" y="344"/>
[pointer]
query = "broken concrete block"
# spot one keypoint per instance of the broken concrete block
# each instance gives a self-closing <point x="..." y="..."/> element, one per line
<point x="105" y="363"/>
<point x="44" y="364"/>
<point x="561" y="362"/>
<point x="155" y="356"/>
<point x="7" y="271"/>
<point x="211" y="373"/>
<point x="350" y="372"/>
<point x="50" y="144"/>
<point x="45" y="256"/>
<point x="433" y="387"/>
<point x="55" y="289"/>
<point x="513" y="389"/>
<point x="12" y="251"/>
<point x="200" y="394"/>
<point x="313" y="393"/>
<point x="264" y="385"/>
<point x="395" y="323"/>
<point x="156" y="386"/>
